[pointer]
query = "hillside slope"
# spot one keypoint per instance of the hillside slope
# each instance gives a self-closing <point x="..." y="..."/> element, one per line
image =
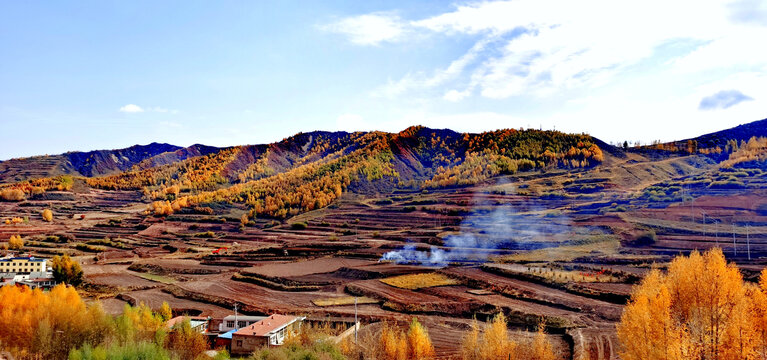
<point x="91" y="163"/>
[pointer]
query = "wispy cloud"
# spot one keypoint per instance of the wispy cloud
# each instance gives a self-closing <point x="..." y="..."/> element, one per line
<point x="723" y="100"/>
<point x="369" y="29"/>
<point x="163" y="110"/>
<point x="131" y="108"/>
<point x="534" y="47"/>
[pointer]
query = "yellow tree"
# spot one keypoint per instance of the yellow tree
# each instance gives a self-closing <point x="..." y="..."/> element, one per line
<point x="470" y="344"/>
<point x="759" y="316"/>
<point x="186" y="342"/>
<point x="542" y="348"/>
<point x="15" y="242"/>
<point x="65" y="270"/>
<point x="388" y="342"/>
<point x="419" y="343"/>
<point x="165" y="311"/>
<point x="47" y="215"/>
<point x="495" y="340"/>
<point x="699" y="309"/>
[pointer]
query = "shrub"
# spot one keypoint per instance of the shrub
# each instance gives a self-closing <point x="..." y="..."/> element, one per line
<point x="47" y="215"/>
<point x="12" y="195"/>
<point x="15" y="242"/>
<point x="646" y="238"/>
<point x="141" y="350"/>
<point x="298" y="226"/>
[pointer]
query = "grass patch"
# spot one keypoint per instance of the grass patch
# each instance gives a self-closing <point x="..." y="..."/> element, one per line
<point x="555" y="275"/>
<point x="564" y="253"/>
<point x="346" y="300"/>
<point x="158" y="278"/>
<point x="420" y="281"/>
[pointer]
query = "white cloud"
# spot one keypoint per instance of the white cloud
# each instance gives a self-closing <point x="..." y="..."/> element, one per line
<point x="131" y="108"/>
<point x="455" y="95"/>
<point x="544" y="47"/>
<point x="614" y="68"/>
<point x="439" y="76"/>
<point x="369" y="29"/>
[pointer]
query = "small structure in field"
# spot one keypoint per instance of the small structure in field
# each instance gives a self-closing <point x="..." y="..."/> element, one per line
<point x="29" y="271"/>
<point x="236" y="322"/>
<point x="270" y="331"/>
<point x="198" y="323"/>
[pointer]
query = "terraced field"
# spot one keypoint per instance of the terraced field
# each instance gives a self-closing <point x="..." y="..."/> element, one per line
<point x="547" y="232"/>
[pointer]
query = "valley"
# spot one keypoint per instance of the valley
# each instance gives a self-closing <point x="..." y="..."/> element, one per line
<point x="555" y="243"/>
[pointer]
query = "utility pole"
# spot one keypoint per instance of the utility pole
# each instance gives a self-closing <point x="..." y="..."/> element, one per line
<point x="356" y="322"/>
<point x="734" y="246"/>
<point x="748" y="244"/>
<point x="716" y="234"/>
<point x="235" y="316"/>
<point x="692" y="207"/>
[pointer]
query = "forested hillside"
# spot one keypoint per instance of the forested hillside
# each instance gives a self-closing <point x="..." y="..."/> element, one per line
<point x="309" y="170"/>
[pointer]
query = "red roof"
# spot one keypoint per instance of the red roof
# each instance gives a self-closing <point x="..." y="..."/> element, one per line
<point x="265" y="326"/>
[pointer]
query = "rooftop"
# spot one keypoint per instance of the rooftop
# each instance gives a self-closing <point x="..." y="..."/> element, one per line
<point x="268" y="325"/>
<point x="31" y="258"/>
<point x="244" y="318"/>
<point x="180" y="319"/>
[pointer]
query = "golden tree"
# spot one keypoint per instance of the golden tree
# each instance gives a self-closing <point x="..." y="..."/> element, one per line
<point x="542" y="348"/>
<point x="700" y="309"/>
<point x="186" y="342"/>
<point x="470" y="344"/>
<point x="165" y="311"/>
<point x="419" y="343"/>
<point x="12" y="194"/>
<point x="65" y="270"/>
<point x="15" y="242"/>
<point x="47" y="215"/>
<point x="495" y="340"/>
<point x="45" y="325"/>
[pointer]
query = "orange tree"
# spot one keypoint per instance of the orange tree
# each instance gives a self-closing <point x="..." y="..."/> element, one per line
<point x="700" y="309"/>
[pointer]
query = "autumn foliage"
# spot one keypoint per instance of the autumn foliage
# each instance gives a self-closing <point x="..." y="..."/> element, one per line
<point x="12" y="194"/>
<point x="65" y="270"/>
<point x="37" y="324"/>
<point x="47" y="215"/>
<point x="755" y="150"/>
<point x="15" y="242"/>
<point x="494" y="342"/>
<point x="700" y="309"/>
<point x="309" y="171"/>
<point x="394" y="344"/>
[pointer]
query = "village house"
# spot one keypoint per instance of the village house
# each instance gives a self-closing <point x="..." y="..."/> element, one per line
<point x="23" y="265"/>
<point x="236" y="322"/>
<point x="28" y="271"/>
<point x="197" y="323"/>
<point x="270" y="331"/>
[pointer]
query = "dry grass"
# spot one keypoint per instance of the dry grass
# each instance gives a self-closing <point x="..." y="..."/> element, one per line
<point x="419" y="281"/>
<point x="158" y="278"/>
<point x="346" y="300"/>
<point x="564" y="253"/>
<point x="557" y="275"/>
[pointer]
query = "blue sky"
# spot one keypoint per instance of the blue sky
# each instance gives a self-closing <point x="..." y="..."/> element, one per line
<point x="77" y="75"/>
